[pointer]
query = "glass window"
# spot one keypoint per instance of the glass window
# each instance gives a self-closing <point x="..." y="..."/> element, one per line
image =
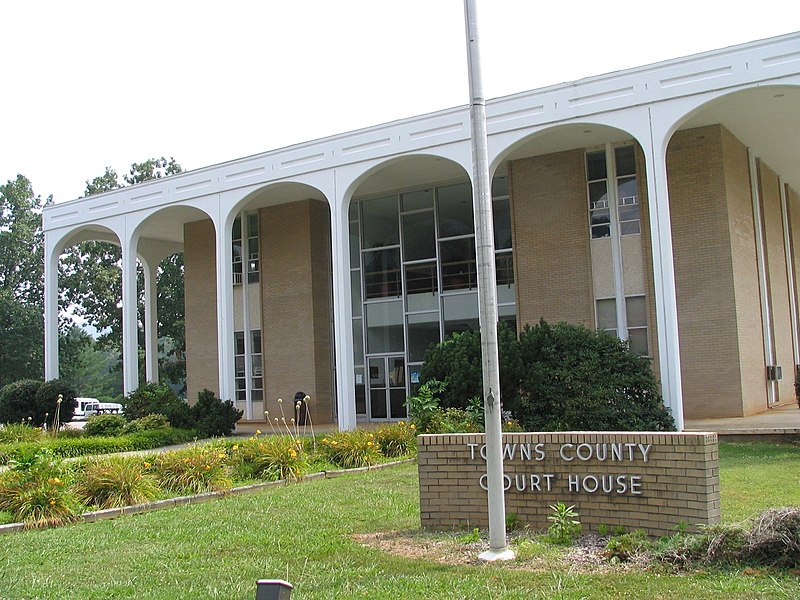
<point x="607" y="314"/>
<point x="501" y="213"/>
<point x="596" y="165"/>
<point x="419" y="236"/>
<point x="598" y="210"/>
<point x="636" y="313"/>
<point x="252" y="250"/>
<point x="422" y="289"/>
<point x="423" y="330"/>
<point x="455" y="210"/>
<point x="460" y="313"/>
<point x="504" y="268"/>
<point x="358" y="341"/>
<point x="384" y="323"/>
<point x="361" y="392"/>
<point x="379" y="221"/>
<point x="354" y="245"/>
<point x="417" y="200"/>
<point x="355" y="292"/>
<point x="382" y="273"/>
<point x="256" y="366"/>
<point x="500" y="186"/>
<point x="458" y="264"/>
<point x="626" y="163"/>
<point x="628" y="206"/>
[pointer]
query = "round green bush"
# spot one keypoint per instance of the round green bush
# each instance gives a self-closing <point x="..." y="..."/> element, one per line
<point x="18" y="403"/>
<point x="47" y="399"/>
<point x="154" y="398"/>
<point x="104" y="425"/>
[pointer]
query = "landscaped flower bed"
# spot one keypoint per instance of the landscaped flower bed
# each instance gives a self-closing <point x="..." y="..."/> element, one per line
<point x="40" y="489"/>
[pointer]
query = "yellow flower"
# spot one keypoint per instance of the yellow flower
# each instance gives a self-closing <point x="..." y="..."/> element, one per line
<point x="221" y="455"/>
<point x="258" y="432"/>
<point x="412" y="426"/>
<point x="208" y="467"/>
<point x="146" y="465"/>
<point x="235" y="447"/>
<point x="52" y="502"/>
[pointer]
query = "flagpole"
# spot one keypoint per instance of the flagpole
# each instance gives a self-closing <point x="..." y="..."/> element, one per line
<point x="487" y="296"/>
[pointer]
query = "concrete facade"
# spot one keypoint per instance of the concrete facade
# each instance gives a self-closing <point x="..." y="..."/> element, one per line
<point x="716" y="139"/>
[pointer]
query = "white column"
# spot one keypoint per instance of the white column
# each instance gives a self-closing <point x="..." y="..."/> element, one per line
<point x="763" y="283"/>
<point x="51" y="254"/>
<point x="342" y="317"/>
<point x="612" y="195"/>
<point x="225" y="348"/>
<point x="788" y="246"/>
<point x="130" y="345"/>
<point x="150" y="319"/>
<point x="664" y="275"/>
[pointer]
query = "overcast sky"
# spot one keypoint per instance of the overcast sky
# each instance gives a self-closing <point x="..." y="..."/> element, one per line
<point x="90" y="84"/>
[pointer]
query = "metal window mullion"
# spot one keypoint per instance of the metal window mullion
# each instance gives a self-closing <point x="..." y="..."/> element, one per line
<point x="616" y="242"/>
<point x="248" y="340"/>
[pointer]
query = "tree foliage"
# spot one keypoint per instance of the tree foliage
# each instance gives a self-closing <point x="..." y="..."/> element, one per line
<point x="556" y="378"/>
<point x="21" y="281"/>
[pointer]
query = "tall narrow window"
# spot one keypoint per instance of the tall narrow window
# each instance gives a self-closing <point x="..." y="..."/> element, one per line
<point x="252" y="258"/>
<point x="627" y="211"/>
<point x="256" y="367"/>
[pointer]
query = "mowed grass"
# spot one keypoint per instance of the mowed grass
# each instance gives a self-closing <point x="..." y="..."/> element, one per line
<point x="302" y="533"/>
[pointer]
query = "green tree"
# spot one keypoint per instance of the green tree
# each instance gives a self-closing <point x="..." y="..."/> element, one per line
<point x="21" y="340"/>
<point x="22" y="242"/>
<point x="21" y="281"/>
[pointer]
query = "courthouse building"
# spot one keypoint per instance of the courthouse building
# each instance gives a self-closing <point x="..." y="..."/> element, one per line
<point x="660" y="203"/>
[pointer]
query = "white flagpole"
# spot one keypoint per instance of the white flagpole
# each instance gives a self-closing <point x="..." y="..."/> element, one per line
<point x="487" y="296"/>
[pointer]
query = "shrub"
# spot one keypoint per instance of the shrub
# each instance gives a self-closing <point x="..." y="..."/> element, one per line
<point x="269" y="458"/>
<point x="36" y="491"/>
<point x="104" y="425"/>
<point x="47" y="397"/>
<point x="193" y="470"/>
<point x="19" y="432"/>
<point x="153" y="398"/>
<point x="397" y="439"/>
<point x="457" y="363"/>
<point x="555" y="377"/>
<point x="578" y="379"/>
<point x="116" y="481"/>
<point x="18" y="403"/>
<point x="214" y="417"/>
<point x="146" y="423"/>
<point x="351" y="449"/>
<point x="423" y="408"/>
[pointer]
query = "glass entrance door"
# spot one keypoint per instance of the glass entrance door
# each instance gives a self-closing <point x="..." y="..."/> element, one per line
<point x="387" y="387"/>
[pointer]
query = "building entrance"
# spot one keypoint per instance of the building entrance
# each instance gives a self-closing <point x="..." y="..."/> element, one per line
<point x="387" y="387"/>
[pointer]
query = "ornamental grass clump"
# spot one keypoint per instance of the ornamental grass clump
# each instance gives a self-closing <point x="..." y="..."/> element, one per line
<point x="193" y="470"/>
<point x="14" y="433"/>
<point x="351" y="449"/>
<point x="269" y="458"/>
<point x="36" y="491"/>
<point x="397" y="439"/>
<point x="117" y="481"/>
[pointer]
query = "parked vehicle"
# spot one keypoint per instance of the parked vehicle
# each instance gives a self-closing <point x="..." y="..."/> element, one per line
<point x="86" y="407"/>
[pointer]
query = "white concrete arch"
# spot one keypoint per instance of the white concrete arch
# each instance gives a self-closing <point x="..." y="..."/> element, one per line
<point x="55" y="242"/>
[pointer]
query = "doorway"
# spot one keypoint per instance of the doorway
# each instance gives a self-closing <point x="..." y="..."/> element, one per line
<point x="387" y="387"/>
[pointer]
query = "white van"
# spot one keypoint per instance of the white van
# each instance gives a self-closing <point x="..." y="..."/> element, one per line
<point x="82" y="405"/>
<point x="86" y="407"/>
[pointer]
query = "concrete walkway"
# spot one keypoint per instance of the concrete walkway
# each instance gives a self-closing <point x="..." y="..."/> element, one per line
<point x="781" y="423"/>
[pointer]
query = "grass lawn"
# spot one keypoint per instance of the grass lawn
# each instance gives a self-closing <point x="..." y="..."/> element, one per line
<point x="301" y="533"/>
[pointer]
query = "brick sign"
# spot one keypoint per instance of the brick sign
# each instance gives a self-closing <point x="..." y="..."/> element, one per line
<point x="649" y="481"/>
